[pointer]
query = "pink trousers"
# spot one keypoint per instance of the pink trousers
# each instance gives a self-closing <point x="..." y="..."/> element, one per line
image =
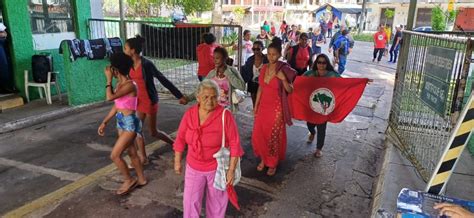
<point x="195" y="184"/>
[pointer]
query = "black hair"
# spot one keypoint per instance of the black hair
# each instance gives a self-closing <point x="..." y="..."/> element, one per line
<point x="276" y="44"/>
<point x="136" y="43"/>
<point x="345" y="32"/>
<point x="229" y="61"/>
<point x="223" y="52"/>
<point x="209" y="38"/>
<point x="246" y="31"/>
<point x="259" y="43"/>
<point x="122" y="62"/>
<point x="329" y="66"/>
<point x="284" y="22"/>
<point x="303" y="35"/>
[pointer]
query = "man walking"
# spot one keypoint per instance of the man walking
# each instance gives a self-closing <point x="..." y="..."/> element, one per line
<point x="395" y="45"/>
<point x="380" y="41"/>
<point x="341" y="50"/>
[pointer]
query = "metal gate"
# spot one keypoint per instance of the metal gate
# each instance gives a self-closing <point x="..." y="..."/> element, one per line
<point x="172" y="47"/>
<point x="426" y="103"/>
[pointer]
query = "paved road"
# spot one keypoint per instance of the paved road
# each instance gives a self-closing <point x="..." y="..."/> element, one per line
<point x="59" y="154"/>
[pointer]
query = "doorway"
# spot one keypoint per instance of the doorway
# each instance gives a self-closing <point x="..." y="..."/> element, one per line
<point x="6" y="76"/>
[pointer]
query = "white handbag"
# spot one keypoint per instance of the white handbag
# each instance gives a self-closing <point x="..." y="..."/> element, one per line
<point x="223" y="163"/>
<point x="238" y="96"/>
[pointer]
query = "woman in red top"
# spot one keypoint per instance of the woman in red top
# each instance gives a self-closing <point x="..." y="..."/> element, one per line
<point x="143" y="74"/>
<point x="205" y="55"/>
<point x="201" y="130"/>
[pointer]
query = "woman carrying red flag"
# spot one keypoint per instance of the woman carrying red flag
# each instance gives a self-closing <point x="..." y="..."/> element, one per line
<point x="321" y="68"/>
<point x="272" y="110"/>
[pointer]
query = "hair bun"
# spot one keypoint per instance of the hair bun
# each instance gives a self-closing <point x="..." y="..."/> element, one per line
<point x="140" y="38"/>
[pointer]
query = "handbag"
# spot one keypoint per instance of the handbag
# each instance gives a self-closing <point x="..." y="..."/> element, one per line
<point x="238" y="96"/>
<point x="223" y="163"/>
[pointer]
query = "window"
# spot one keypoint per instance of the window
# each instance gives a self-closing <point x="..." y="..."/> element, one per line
<point x="51" y="16"/>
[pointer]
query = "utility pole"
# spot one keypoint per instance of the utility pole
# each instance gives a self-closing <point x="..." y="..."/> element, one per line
<point x="362" y="17"/>
<point x="411" y="15"/>
<point x="217" y="12"/>
<point x="122" y="22"/>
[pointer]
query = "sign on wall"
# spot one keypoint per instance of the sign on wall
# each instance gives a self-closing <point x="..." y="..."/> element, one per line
<point x="439" y="64"/>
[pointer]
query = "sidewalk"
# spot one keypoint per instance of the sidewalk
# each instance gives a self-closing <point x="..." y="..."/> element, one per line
<point x="39" y="111"/>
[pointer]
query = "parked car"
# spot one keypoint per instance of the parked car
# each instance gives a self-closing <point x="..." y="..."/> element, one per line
<point x="423" y="29"/>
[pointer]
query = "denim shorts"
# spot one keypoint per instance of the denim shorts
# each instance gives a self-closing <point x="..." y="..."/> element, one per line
<point x="129" y="123"/>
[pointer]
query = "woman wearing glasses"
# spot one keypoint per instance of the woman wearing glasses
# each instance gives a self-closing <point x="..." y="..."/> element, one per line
<point x="321" y="68"/>
<point x="251" y="69"/>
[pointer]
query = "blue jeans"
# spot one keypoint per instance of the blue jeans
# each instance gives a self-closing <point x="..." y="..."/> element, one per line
<point x="394" y="53"/>
<point x="342" y="64"/>
<point x="129" y="123"/>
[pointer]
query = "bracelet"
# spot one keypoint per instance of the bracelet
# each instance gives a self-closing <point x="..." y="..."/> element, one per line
<point x="109" y="85"/>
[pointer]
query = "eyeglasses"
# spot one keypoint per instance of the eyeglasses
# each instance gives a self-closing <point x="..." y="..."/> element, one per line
<point x="255" y="49"/>
<point x="321" y="62"/>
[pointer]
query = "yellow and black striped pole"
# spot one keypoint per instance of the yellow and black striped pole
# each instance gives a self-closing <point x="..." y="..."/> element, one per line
<point x="453" y="150"/>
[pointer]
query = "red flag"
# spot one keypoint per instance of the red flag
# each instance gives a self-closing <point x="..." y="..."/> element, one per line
<point x="233" y="196"/>
<point x="323" y="99"/>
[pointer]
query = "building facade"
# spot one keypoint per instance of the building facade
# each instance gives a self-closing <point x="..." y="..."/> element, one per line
<point x="375" y="16"/>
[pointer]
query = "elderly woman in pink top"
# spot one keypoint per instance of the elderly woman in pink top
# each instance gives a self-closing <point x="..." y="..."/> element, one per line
<point x="200" y="129"/>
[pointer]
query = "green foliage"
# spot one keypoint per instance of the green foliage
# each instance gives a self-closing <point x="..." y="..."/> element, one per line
<point x="452" y="15"/>
<point x="389" y="13"/>
<point x="239" y="13"/>
<point x="142" y="7"/>
<point x="438" y="19"/>
<point x="364" y="37"/>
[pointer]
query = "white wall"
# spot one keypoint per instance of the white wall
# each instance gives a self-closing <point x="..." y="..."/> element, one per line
<point x="96" y="9"/>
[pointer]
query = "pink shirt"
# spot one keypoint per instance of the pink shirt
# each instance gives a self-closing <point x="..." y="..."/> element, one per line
<point x="205" y="140"/>
<point x="224" y="89"/>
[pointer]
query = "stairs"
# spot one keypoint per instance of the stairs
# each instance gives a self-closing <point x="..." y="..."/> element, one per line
<point x="8" y="101"/>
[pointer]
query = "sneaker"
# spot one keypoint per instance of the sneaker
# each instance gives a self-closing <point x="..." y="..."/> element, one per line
<point x="310" y="138"/>
<point x="318" y="153"/>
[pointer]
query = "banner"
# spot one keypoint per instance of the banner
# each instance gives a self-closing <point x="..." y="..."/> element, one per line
<point x="319" y="99"/>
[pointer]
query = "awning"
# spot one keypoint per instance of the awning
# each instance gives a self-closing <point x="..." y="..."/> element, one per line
<point x="351" y="10"/>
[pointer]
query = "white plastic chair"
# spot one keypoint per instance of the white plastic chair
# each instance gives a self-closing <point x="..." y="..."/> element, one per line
<point x="46" y="86"/>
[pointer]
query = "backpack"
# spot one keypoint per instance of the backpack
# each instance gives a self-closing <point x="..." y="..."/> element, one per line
<point x="75" y="47"/>
<point x="292" y="61"/>
<point x="342" y="45"/>
<point x="41" y="64"/>
<point x="96" y="48"/>
<point x="115" y="44"/>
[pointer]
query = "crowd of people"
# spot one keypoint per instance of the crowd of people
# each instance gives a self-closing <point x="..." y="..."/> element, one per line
<point x="209" y="126"/>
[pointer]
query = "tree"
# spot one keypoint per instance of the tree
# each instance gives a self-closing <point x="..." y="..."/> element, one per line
<point x="142" y="7"/>
<point x="239" y="13"/>
<point x="438" y="19"/>
<point x="389" y="13"/>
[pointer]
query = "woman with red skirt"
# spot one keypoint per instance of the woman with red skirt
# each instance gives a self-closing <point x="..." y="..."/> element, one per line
<point x="143" y="74"/>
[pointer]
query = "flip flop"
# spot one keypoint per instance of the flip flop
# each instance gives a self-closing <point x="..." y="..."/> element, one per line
<point x="260" y="167"/>
<point x="271" y="171"/>
<point x="130" y="188"/>
<point x="141" y="185"/>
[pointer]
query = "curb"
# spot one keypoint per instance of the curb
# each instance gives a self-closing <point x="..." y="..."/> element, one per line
<point x="377" y="194"/>
<point x="48" y="116"/>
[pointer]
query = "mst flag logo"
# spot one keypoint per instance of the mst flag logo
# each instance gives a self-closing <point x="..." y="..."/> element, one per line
<point x="322" y="101"/>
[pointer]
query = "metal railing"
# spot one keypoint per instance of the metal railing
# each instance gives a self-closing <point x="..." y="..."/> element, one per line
<point x="172" y="47"/>
<point x="423" y="129"/>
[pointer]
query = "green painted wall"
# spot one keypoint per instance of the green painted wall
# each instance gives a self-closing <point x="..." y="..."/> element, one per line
<point x="85" y="79"/>
<point x="17" y="18"/>
<point x="82" y="9"/>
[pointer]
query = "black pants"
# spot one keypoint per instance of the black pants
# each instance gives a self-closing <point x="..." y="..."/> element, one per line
<point x="380" y="51"/>
<point x="329" y="33"/>
<point x="321" y="133"/>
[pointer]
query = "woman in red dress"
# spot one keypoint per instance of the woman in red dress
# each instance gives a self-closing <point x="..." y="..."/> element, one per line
<point x="272" y="110"/>
<point x="143" y="74"/>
